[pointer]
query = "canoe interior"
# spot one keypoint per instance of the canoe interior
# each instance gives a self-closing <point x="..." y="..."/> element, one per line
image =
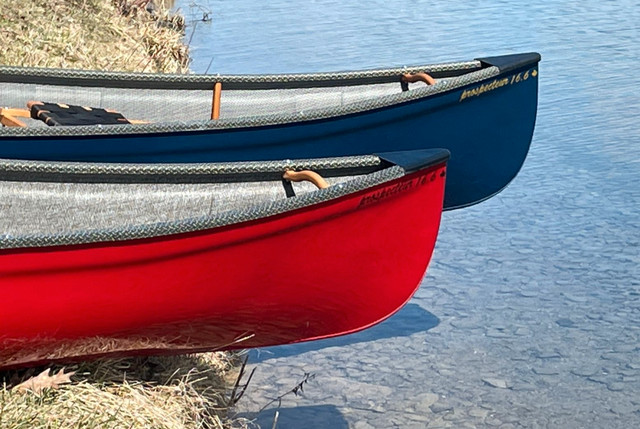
<point x="189" y="105"/>
<point x="49" y="203"/>
<point x="182" y="99"/>
<point x="56" y="208"/>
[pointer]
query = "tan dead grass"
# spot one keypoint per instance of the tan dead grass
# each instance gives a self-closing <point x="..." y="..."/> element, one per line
<point x="92" y="34"/>
<point x="179" y="392"/>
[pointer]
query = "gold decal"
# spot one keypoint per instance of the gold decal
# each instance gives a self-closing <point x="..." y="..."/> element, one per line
<point x="498" y="83"/>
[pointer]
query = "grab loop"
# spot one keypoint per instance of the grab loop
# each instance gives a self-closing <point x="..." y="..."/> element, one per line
<point x="408" y="78"/>
<point x="300" y="176"/>
<point x="306" y="175"/>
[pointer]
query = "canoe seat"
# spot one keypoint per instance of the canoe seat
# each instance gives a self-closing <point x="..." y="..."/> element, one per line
<point x="57" y="114"/>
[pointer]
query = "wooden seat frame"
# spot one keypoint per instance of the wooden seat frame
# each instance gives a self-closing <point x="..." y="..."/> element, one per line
<point x="9" y="116"/>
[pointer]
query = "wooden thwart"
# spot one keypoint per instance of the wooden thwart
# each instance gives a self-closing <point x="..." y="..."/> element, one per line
<point x="215" y="104"/>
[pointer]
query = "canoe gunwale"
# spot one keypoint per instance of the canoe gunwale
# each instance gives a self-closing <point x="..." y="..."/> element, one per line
<point x="94" y="78"/>
<point x="205" y="172"/>
<point x="364" y="106"/>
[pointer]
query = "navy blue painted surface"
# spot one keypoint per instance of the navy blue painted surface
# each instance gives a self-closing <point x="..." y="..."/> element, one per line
<point x="488" y="136"/>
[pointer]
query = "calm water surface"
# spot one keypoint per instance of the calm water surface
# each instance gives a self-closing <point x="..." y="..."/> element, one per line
<point x="530" y="313"/>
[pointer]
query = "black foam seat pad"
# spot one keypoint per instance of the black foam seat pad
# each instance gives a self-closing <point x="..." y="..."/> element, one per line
<point x="62" y="114"/>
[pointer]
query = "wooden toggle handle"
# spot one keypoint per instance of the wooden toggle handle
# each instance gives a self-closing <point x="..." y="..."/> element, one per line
<point x="418" y="77"/>
<point x="309" y="176"/>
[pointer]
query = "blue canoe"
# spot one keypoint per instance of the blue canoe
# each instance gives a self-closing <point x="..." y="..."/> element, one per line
<point x="483" y="111"/>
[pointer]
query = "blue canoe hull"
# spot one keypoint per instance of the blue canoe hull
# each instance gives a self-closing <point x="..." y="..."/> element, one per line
<point x="487" y="126"/>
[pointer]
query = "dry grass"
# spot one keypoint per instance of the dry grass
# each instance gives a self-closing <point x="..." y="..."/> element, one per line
<point x="92" y="34"/>
<point x="180" y="392"/>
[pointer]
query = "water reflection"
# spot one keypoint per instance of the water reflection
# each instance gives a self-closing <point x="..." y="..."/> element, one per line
<point x="309" y="417"/>
<point x="411" y="319"/>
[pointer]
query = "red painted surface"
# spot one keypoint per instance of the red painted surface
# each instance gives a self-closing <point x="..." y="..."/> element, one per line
<point x="326" y="270"/>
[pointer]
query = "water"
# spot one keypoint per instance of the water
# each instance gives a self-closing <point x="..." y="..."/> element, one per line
<point x="530" y="313"/>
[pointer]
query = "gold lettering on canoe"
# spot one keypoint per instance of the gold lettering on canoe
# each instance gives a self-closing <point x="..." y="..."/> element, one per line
<point x="485" y="87"/>
<point x="498" y="83"/>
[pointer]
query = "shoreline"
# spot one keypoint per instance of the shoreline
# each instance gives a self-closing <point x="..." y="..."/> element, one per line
<point x="109" y="35"/>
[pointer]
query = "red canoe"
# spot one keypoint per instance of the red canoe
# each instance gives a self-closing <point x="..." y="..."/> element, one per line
<point x="83" y="274"/>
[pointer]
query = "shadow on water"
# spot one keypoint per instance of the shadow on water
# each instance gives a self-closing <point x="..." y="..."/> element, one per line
<point x="411" y="319"/>
<point x="317" y="416"/>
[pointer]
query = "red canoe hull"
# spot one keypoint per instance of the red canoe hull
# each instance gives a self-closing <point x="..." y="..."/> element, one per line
<point x="326" y="270"/>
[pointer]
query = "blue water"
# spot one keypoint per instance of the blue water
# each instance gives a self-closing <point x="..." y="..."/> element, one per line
<point x="529" y="315"/>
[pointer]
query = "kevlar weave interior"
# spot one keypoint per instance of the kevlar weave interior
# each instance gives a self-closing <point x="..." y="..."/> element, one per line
<point x="46" y="203"/>
<point x="165" y="105"/>
<point x="171" y="103"/>
<point x="156" y="105"/>
<point x="58" y="208"/>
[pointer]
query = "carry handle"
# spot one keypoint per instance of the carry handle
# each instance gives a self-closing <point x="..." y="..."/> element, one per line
<point x="415" y="77"/>
<point x="418" y="77"/>
<point x="306" y="175"/>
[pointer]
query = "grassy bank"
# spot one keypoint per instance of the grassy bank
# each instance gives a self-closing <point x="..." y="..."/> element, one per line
<point x="181" y="392"/>
<point x="92" y="34"/>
